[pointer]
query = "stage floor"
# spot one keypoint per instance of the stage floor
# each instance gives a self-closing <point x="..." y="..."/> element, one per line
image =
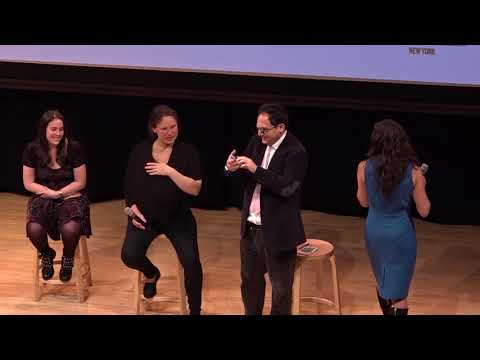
<point x="446" y="279"/>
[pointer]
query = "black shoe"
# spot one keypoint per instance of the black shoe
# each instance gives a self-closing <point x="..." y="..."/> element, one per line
<point x="150" y="287"/>
<point x="398" y="312"/>
<point x="66" y="269"/>
<point x="47" y="263"/>
<point x="385" y="305"/>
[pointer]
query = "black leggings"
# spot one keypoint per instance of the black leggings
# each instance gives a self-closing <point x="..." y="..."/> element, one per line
<point x="182" y="233"/>
<point x="70" y="236"/>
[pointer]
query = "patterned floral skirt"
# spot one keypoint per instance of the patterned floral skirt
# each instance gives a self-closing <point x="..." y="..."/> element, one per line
<point x="52" y="214"/>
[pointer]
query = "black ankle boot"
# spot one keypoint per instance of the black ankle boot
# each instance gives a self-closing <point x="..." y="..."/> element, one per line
<point x="150" y="287"/>
<point x="66" y="269"/>
<point x="384" y="304"/>
<point x="398" y="312"/>
<point x="47" y="263"/>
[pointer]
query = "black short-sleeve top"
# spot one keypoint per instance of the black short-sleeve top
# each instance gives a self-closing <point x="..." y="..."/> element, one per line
<point x="54" y="179"/>
<point x="158" y="197"/>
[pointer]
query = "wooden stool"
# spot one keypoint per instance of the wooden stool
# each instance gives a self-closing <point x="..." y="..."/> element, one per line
<point x="141" y="302"/>
<point x="324" y="252"/>
<point x="81" y="271"/>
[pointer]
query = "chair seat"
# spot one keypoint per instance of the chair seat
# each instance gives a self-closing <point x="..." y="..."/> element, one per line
<point x="324" y="248"/>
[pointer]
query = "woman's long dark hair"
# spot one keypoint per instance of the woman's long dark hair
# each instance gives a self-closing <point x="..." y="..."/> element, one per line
<point x="42" y="142"/>
<point x="391" y="148"/>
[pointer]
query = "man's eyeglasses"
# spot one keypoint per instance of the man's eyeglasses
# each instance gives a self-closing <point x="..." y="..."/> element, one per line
<point x="264" y="130"/>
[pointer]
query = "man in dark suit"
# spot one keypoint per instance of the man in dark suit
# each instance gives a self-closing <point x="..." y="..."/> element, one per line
<point x="274" y="163"/>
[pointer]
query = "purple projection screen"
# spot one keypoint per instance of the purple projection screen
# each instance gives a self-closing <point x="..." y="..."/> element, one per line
<point x="424" y="64"/>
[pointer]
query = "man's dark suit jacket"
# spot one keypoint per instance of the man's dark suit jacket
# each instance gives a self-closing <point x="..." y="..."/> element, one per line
<point x="280" y="196"/>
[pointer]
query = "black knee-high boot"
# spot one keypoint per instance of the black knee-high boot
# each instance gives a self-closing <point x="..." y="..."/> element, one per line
<point x="384" y="304"/>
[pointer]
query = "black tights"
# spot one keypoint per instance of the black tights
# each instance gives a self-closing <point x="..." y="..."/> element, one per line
<point x="70" y="236"/>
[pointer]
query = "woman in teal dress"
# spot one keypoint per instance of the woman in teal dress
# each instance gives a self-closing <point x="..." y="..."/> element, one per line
<point x="387" y="182"/>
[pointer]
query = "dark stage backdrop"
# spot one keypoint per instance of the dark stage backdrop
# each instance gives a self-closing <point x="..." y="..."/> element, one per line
<point x="108" y="110"/>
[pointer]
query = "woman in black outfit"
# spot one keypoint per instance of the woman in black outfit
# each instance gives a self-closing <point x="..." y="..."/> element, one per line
<point x="162" y="176"/>
<point x="54" y="171"/>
